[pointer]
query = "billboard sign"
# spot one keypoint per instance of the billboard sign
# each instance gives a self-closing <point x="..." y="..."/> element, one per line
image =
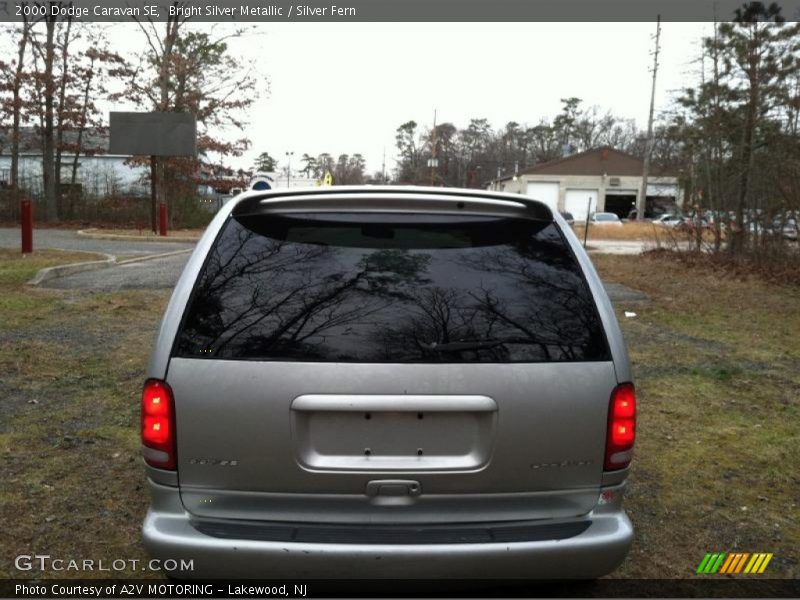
<point x="153" y="134"/>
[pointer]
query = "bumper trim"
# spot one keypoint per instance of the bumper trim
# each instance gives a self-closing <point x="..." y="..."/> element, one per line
<point x="169" y="532"/>
<point x="371" y="534"/>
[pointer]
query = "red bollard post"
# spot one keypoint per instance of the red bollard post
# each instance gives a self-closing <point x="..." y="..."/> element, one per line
<point x="162" y="219"/>
<point x="26" y="219"/>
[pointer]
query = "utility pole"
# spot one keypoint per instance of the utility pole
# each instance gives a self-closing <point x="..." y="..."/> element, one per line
<point x="153" y="194"/>
<point x="383" y="167"/>
<point x="641" y="201"/>
<point x="289" y="169"/>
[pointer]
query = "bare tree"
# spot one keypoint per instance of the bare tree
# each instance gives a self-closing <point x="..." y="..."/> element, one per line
<point x="13" y="77"/>
<point x="46" y="88"/>
<point x="185" y="69"/>
<point x="757" y="57"/>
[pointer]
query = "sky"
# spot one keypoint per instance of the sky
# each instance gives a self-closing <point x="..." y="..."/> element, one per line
<point x="346" y="87"/>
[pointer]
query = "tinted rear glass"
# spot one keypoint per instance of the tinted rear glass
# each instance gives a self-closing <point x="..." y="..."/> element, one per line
<point x="391" y="288"/>
<point x="606" y="217"/>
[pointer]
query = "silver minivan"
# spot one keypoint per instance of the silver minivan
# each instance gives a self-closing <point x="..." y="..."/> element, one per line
<point x="388" y="382"/>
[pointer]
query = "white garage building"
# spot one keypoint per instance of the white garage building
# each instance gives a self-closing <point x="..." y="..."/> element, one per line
<point x="98" y="173"/>
<point x="602" y="180"/>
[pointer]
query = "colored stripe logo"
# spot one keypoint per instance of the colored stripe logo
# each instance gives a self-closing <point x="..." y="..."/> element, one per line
<point x="734" y="563"/>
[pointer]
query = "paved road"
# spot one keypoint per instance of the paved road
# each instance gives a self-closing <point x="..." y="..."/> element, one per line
<point x="163" y="273"/>
<point x="69" y="240"/>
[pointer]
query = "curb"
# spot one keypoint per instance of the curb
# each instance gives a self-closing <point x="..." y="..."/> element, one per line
<point x="63" y="270"/>
<point x="147" y="257"/>
<point x="49" y="273"/>
<point x="94" y="234"/>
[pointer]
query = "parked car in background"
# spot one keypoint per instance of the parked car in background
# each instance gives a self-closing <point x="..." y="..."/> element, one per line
<point x="691" y="224"/>
<point x="755" y="228"/>
<point x="787" y="226"/>
<point x="567" y="216"/>
<point x="668" y="220"/>
<point x="307" y="412"/>
<point x="605" y="218"/>
<point x="791" y="229"/>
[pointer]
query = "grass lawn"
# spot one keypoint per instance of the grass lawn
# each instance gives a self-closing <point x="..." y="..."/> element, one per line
<point x="716" y="465"/>
<point x="717" y="460"/>
<point x="71" y="369"/>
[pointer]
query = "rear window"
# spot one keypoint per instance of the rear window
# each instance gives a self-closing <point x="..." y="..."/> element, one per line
<point x="391" y="288"/>
<point x="606" y="217"/>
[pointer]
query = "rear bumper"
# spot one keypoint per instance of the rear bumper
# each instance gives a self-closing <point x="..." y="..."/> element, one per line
<point x="599" y="549"/>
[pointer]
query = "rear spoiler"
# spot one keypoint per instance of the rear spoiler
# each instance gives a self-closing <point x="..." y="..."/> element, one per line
<point x="392" y="200"/>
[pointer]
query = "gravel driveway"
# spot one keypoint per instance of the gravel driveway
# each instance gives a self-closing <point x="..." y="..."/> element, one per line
<point x="153" y="274"/>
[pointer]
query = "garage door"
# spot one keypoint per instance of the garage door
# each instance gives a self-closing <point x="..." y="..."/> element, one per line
<point x="620" y="203"/>
<point x="544" y="192"/>
<point x="576" y="200"/>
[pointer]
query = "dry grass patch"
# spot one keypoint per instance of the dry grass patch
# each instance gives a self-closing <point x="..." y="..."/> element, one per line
<point x="70" y="447"/>
<point x="632" y="231"/>
<point x="639" y="231"/>
<point x="72" y="365"/>
<point x="147" y="233"/>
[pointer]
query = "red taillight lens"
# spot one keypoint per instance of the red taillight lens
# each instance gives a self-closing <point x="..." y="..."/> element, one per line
<point x="158" y="425"/>
<point x="621" y="427"/>
<point x="155" y="431"/>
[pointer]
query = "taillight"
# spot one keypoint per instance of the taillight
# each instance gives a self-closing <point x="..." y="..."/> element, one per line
<point x="158" y="425"/>
<point x="621" y="427"/>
